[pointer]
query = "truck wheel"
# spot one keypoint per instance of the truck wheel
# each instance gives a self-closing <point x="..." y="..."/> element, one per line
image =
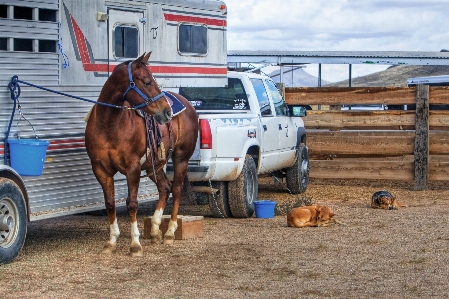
<point x="298" y="174"/>
<point x="243" y="191"/>
<point x="13" y="221"/>
<point x="218" y="202"/>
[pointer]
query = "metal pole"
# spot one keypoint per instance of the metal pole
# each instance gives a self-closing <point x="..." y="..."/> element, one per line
<point x="281" y="71"/>
<point x="319" y="80"/>
<point x="350" y="75"/>
<point x="319" y="75"/>
<point x="281" y="74"/>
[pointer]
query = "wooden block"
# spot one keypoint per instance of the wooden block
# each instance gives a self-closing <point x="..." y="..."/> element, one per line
<point x="189" y="227"/>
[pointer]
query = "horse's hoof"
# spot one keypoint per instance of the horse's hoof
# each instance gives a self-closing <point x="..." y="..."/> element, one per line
<point x="169" y="240"/>
<point x="157" y="239"/>
<point x="135" y="250"/>
<point x="109" y="248"/>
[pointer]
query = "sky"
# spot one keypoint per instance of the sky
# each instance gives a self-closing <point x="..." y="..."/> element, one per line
<point x="338" y="25"/>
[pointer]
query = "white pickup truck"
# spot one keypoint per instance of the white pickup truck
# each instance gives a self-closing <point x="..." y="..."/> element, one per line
<point x="246" y="130"/>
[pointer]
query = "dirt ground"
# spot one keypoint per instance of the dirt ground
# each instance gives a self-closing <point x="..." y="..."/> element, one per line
<point x="378" y="254"/>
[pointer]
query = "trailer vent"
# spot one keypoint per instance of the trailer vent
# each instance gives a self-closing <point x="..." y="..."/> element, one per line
<point x="23" y="13"/>
<point x="3" y="44"/>
<point x="47" y="46"/>
<point x="3" y="11"/>
<point x="47" y="15"/>
<point x="23" y="44"/>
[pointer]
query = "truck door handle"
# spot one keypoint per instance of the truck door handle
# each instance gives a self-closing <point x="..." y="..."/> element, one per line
<point x="264" y="128"/>
<point x="280" y="126"/>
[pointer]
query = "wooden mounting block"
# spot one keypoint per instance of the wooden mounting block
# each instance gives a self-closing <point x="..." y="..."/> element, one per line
<point x="189" y="227"/>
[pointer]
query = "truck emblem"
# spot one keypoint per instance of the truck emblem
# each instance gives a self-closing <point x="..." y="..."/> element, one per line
<point x="252" y="134"/>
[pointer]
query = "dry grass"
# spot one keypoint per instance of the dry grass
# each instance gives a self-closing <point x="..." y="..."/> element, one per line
<point x="378" y="254"/>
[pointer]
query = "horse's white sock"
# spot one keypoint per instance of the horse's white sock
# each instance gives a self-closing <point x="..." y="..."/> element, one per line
<point x="156" y="222"/>
<point x="172" y="226"/>
<point x="135" y="234"/>
<point x="114" y="232"/>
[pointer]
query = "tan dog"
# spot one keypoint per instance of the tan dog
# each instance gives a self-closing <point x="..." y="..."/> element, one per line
<point x="314" y="215"/>
<point x="385" y="200"/>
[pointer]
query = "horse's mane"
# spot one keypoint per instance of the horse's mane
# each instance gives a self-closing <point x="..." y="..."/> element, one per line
<point x="122" y="64"/>
<point x="125" y="63"/>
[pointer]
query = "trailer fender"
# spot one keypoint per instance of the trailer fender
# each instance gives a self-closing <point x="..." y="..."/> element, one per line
<point x="10" y="173"/>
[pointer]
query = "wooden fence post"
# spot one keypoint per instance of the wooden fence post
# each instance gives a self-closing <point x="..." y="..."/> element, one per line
<point x="422" y="137"/>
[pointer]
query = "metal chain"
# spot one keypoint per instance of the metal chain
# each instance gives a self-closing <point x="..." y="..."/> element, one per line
<point x="215" y="200"/>
<point x="213" y="193"/>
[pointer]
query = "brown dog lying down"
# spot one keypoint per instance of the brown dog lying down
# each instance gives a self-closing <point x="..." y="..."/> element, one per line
<point x="314" y="215"/>
<point x="385" y="200"/>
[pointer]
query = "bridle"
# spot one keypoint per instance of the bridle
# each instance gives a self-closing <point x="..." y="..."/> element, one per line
<point x="132" y="85"/>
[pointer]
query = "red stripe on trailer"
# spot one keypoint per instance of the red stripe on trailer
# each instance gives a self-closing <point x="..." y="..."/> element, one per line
<point x="88" y="66"/>
<point x="191" y="19"/>
<point x="188" y="70"/>
<point x="66" y="144"/>
<point x="80" y="42"/>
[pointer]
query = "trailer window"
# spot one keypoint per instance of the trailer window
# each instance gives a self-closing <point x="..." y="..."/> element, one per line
<point x="230" y="97"/>
<point x="192" y="39"/>
<point x="126" y="41"/>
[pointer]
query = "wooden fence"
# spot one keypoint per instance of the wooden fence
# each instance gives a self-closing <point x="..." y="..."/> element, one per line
<point x="410" y="145"/>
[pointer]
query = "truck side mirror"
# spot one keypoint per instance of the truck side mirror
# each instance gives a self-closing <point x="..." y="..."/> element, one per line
<point x="298" y="111"/>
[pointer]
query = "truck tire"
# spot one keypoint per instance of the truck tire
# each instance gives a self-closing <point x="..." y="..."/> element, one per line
<point x="298" y="174"/>
<point x="243" y="191"/>
<point x="13" y="221"/>
<point x="219" y="202"/>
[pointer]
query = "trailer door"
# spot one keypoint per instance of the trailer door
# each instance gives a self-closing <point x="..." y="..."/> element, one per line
<point x="126" y="35"/>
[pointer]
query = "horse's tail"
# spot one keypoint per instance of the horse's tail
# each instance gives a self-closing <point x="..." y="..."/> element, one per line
<point x="86" y="118"/>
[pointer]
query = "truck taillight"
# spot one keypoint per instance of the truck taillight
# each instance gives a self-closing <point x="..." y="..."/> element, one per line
<point x="205" y="134"/>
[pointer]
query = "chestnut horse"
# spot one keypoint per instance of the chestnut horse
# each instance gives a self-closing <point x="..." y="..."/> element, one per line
<point x="116" y="141"/>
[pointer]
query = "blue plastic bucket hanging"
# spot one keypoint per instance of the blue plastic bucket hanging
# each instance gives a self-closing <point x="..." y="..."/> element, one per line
<point x="27" y="155"/>
<point x="264" y="208"/>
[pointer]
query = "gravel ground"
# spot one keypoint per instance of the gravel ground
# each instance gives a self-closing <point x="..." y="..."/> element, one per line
<point x="377" y="254"/>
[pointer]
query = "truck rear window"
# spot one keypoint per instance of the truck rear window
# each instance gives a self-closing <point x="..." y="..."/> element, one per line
<point x="230" y="97"/>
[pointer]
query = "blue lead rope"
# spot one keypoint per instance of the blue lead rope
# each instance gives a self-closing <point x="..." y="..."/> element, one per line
<point x="14" y="84"/>
<point x="14" y="88"/>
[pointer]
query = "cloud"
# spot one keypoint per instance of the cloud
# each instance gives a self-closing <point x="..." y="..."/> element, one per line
<point x="338" y="25"/>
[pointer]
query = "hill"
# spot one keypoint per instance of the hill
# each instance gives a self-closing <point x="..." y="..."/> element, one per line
<point x="296" y="76"/>
<point x="394" y="76"/>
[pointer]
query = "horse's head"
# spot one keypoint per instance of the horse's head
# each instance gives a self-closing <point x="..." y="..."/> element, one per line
<point x="144" y="93"/>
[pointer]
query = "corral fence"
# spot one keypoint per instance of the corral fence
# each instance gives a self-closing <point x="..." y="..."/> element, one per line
<point x="407" y="145"/>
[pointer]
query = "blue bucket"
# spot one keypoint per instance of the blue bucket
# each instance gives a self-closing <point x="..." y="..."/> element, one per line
<point x="27" y="155"/>
<point x="264" y="208"/>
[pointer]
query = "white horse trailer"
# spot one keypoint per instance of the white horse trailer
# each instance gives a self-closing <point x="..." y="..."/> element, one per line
<point x="71" y="47"/>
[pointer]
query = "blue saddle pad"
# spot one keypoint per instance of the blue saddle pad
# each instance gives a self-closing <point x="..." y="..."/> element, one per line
<point x="176" y="105"/>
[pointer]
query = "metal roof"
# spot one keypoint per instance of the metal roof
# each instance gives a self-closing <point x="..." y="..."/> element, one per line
<point x="340" y="57"/>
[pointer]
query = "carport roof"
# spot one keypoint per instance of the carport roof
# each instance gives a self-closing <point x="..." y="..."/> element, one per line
<point x="339" y="57"/>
